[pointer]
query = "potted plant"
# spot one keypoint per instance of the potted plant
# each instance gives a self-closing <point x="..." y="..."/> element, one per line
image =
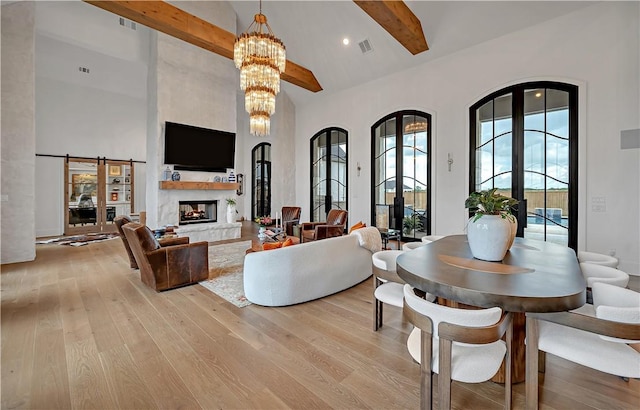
<point x="412" y="223"/>
<point x="231" y="210"/>
<point x="492" y="228"/>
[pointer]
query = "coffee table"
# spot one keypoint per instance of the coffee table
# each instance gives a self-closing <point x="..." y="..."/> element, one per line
<point x="256" y="244"/>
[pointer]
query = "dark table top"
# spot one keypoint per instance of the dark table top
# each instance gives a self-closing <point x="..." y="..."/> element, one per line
<point x="535" y="276"/>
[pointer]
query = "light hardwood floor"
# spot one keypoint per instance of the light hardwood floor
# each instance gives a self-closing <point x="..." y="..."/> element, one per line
<point x="80" y="331"/>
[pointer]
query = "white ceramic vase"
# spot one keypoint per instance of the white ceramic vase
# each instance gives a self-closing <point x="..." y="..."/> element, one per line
<point x="231" y="214"/>
<point x="490" y="237"/>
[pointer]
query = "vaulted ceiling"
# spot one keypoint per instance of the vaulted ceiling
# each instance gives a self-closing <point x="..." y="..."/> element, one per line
<point x="313" y="33"/>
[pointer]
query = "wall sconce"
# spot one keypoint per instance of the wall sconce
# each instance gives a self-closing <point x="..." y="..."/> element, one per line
<point x="359" y="168"/>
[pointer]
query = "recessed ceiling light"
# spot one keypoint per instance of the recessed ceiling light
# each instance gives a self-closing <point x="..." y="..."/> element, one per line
<point x="538" y="94"/>
<point x="345" y="41"/>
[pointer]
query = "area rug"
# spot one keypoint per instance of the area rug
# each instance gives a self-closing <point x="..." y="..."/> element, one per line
<point x="225" y="268"/>
<point x="81" y="240"/>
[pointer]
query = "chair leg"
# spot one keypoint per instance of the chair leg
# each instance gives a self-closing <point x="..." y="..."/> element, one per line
<point x="377" y="306"/>
<point x="444" y="375"/>
<point x="542" y="361"/>
<point x="531" y="378"/>
<point x="508" y="368"/>
<point x="426" y="374"/>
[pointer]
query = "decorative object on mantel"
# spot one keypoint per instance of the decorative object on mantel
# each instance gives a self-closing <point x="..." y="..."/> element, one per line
<point x="492" y="229"/>
<point x="175" y="176"/>
<point x="261" y="58"/>
<point x="232" y="176"/>
<point x="231" y="210"/>
<point x="167" y="174"/>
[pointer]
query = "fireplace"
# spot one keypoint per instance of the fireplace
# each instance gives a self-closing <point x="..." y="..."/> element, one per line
<point x="196" y="212"/>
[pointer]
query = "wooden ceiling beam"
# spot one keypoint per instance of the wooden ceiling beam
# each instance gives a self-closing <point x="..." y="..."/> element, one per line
<point x="399" y="21"/>
<point x="168" y="19"/>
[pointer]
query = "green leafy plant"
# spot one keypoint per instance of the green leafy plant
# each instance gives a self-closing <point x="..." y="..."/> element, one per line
<point x="489" y="202"/>
<point x="231" y="201"/>
<point x="411" y="223"/>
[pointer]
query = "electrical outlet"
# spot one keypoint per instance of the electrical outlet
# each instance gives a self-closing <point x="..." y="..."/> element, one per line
<point x="598" y="204"/>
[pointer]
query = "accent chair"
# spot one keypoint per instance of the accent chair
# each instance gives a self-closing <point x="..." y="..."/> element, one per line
<point x="163" y="268"/>
<point x="122" y="220"/>
<point x="290" y="217"/>
<point x="334" y="226"/>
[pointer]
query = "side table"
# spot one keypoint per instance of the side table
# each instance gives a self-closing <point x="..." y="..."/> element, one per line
<point x="390" y="235"/>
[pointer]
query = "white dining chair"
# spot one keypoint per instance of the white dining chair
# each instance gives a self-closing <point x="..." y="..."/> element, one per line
<point x="409" y="246"/>
<point x="597" y="259"/>
<point x="604" y="274"/>
<point x="387" y="285"/>
<point x="431" y="238"/>
<point x="596" y="336"/>
<point x="457" y="344"/>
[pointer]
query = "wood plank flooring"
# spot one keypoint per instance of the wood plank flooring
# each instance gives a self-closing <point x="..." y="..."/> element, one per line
<point x="80" y="331"/>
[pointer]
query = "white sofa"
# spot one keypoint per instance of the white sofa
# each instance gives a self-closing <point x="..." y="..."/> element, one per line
<point x="307" y="271"/>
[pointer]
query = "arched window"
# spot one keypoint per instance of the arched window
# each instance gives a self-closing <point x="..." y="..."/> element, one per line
<point x="329" y="165"/>
<point x="524" y="141"/>
<point x="261" y="180"/>
<point x="401" y="177"/>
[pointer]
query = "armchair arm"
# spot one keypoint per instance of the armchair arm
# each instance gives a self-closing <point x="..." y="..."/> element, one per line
<point x="179" y="264"/>
<point x="174" y="241"/>
<point x="307" y="226"/>
<point x="288" y="225"/>
<point x="328" y="231"/>
<point x="630" y="331"/>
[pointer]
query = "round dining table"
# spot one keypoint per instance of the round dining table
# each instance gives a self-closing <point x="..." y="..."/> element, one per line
<point x="534" y="276"/>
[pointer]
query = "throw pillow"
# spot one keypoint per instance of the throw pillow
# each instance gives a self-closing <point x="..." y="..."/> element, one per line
<point x="271" y="245"/>
<point x="287" y="242"/>
<point x="357" y="226"/>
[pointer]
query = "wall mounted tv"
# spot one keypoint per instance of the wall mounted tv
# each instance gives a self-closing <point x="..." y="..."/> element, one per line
<point x="192" y="148"/>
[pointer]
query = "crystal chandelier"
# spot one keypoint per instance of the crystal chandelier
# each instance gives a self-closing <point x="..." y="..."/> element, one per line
<point x="260" y="56"/>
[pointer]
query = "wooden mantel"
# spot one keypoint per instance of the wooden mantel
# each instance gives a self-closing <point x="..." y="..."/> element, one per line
<point x="199" y="185"/>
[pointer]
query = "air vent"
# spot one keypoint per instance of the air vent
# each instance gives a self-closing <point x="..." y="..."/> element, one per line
<point x="127" y="23"/>
<point x="83" y="70"/>
<point x="365" y="46"/>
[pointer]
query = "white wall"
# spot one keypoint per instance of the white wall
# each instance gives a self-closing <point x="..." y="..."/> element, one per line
<point x="595" y="48"/>
<point x="100" y="113"/>
<point x="18" y="133"/>
<point x="188" y="85"/>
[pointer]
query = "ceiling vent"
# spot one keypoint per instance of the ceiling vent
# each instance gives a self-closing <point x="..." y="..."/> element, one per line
<point x="365" y="46"/>
<point x="127" y="23"/>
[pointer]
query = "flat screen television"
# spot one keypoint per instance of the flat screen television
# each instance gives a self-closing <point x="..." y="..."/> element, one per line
<point x="193" y="148"/>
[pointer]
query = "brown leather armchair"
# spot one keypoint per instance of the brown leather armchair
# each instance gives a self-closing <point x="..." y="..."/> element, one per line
<point x="334" y="226"/>
<point x="163" y="268"/>
<point x="290" y="217"/>
<point x="122" y="220"/>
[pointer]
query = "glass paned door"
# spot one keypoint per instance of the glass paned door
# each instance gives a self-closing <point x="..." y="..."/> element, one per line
<point x="82" y="196"/>
<point x="328" y="172"/>
<point x="96" y="191"/>
<point x="261" y="181"/>
<point x="524" y="142"/>
<point x="401" y="173"/>
<point x="546" y="164"/>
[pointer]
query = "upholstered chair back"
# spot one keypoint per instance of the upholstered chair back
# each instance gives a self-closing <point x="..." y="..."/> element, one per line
<point x="120" y="221"/>
<point x="290" y="217"/>
<point x="141" y="241"/>
<point x="337" y="217"/>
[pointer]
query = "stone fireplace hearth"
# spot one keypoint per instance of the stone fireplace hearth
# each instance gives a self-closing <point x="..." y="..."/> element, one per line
<point x="172" y="195"/>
